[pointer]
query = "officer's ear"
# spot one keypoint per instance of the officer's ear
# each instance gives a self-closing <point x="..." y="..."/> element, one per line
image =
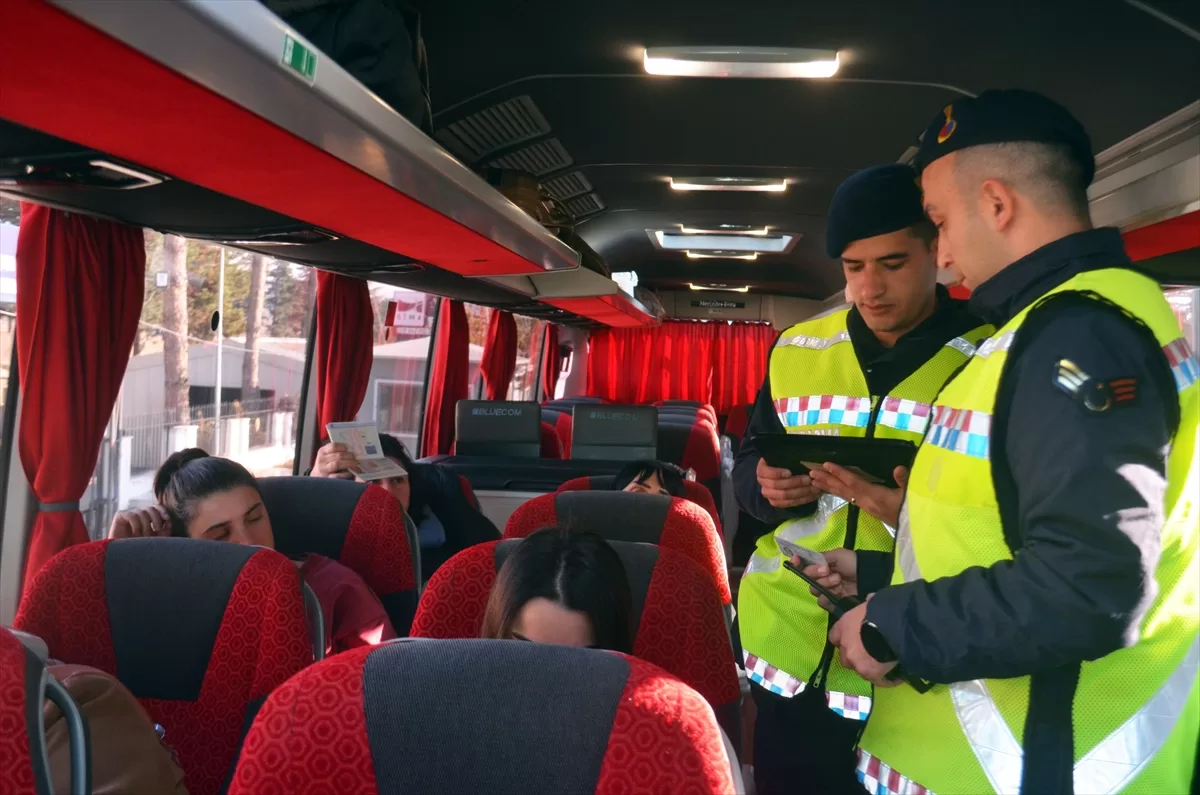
<point x="997" y="205"/>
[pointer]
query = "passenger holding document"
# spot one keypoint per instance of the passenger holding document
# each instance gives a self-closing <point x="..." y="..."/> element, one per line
<point x="1047" y="574"/>
<point x="868" y="371"/>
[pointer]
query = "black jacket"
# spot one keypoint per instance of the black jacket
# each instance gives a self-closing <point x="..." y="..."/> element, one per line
<point x="1076" y="488"/>
<point x="883" y="368"/>
<point x="440" y="490"/>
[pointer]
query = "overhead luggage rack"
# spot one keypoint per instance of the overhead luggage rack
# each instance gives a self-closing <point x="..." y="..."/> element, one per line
<point x="222" y="97"/>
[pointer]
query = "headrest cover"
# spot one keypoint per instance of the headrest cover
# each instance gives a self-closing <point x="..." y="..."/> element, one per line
<point x="875" y="201"/>
<point x="547" y="715"/>
<point x="996" y="117"/>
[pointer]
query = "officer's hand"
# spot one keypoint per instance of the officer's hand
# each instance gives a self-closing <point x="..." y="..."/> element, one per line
<point x="840" y="575"/>
<point x="847" y="636"/>
<point x="783" y="490"/>
<point x="152" y="522"/>
<point x="335" y="461"/>
<point x="879" y="501"/>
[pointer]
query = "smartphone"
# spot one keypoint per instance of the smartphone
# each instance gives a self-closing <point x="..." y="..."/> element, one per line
<point x="840" y="604"/>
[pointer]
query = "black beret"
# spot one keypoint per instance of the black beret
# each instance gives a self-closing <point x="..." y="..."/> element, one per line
<point x="996" y="117"/>
<point x="875" y="201"/>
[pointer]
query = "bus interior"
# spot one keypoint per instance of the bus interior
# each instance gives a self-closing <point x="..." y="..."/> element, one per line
<point x="581" y="254"/>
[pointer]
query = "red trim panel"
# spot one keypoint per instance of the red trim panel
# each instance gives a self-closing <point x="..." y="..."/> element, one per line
<point x="1166" y="237"/>
<point x="611" y="310"/>
<point x="99" y="93"/>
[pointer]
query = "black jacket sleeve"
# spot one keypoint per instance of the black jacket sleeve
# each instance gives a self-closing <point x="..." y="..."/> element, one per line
<point x="464" y="525"/>
<point x="1082" y="496"/>
<point x="763" y="420"/>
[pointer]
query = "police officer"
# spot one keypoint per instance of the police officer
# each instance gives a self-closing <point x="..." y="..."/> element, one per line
<point x="871" y="370"/>
<point x="1046" y="563"/>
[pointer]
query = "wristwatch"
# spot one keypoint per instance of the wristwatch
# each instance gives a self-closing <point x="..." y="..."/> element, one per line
<point x="875" y="644"/>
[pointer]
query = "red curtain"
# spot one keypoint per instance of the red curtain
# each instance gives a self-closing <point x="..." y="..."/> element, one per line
<point x="499" y="355"/>
<point x="551" y="361"/>
<point x="344" y="346"/>
<point x="739" y="361"/>
<point x="80" y="287"/>
<point x="719" y="363"/>
<point x="447" y="378"/>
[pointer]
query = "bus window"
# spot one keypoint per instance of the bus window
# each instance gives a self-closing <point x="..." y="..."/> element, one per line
<point x="227" y="381"/>
<point x="524" y="383"/>
<point x="10" y="218"/>
<point x="1186" y="303"/>
<point x="395" y="398"/>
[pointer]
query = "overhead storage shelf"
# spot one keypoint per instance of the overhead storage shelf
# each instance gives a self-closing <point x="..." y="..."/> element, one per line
<point x="200" y="91"/>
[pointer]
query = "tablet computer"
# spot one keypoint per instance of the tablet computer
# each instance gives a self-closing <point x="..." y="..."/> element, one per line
<point x="873" y="459"/>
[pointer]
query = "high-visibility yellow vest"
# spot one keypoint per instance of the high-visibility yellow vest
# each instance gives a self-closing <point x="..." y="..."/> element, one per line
<point x="819" y="388"/>
<point x="1136" y="711"/>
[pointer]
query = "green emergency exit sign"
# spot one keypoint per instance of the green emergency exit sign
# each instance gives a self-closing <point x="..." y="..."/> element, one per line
<point x="299" y="58"/>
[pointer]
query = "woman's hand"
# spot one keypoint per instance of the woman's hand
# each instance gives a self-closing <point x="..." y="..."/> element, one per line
<point x="152" y="522"/>
<point x="879" y="501"/>
<point x="335" y="461"/>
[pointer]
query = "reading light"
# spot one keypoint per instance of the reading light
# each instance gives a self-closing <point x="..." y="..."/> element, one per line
<point x="676" y="241"/>
<point x="785" y="62"/>
<point x="730" y="183"/>
<point x="721" y="255"/>
<point x="719" y="288"/>
<point x="726" y="229"/>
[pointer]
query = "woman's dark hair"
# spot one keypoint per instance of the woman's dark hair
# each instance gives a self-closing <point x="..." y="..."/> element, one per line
<point x="579" y="571"/>
<point x="670" y="475"/>
<point x="191" y="475"/>
<point x="394" y="448"/>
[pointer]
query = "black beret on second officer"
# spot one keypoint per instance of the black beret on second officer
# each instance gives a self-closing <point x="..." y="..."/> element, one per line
<point x="875" y="201"/>
<point x="1005" y="116"/>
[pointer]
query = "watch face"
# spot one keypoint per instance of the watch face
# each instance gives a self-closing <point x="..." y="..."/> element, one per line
<point x="876" y="645"/>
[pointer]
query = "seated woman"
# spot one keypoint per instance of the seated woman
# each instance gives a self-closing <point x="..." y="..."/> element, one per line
<point x="652" y="477"/>
<point x="432" y="496"/>
<point x="564" y="588"/>
<point x="200" y="496"/>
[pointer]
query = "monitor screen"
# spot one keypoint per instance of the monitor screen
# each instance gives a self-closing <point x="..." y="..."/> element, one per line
<point x="614" y="433"/>
<point x="499" y="428"/>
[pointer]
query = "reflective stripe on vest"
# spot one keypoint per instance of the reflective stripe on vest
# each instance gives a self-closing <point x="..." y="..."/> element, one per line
<point x="1135" y="711"/>
<point x="813" y="343"/>
<point x="796" y="412"/>
<point x="1106" y="768"/>
<point x="879" y="779"/>
<point x="781" y="683"/>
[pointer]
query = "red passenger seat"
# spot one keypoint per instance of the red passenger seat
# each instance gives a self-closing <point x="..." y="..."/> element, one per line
<point x="551" y="446"/>
<point x="25" y="684"/>
<point x="476" y="716"/>
<point x="738" y="422"/>
<point x="199" y="631"/>
<point x="468" y="492"/>
<point x="562" y="422"/>
<point x="672" y="523"/>
<point x="693" y="492"/>
<point x="362" y="527"/>
<point x="677" y="612"/>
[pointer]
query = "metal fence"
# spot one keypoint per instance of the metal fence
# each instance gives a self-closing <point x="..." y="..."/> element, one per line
<point x="150" y="433"/>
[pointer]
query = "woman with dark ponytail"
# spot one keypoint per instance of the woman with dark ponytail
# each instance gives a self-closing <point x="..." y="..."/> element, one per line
<point x="200" y="496"/>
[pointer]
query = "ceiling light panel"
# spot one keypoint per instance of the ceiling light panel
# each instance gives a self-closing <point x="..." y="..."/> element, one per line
<point x="754" y="184"/>
<point x="726" y="229"/>
<point x="771" y="62"/>
<point x="722" y="255"/>
<point x="678" y="241"/>
<point x="723" y="288"/>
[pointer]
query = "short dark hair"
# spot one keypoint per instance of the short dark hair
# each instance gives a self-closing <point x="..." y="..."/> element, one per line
<point x="925" y="231"/>
<point x="191" y="475"/>
<point x="579" y="571"/>
<point x="670" y="475"/>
